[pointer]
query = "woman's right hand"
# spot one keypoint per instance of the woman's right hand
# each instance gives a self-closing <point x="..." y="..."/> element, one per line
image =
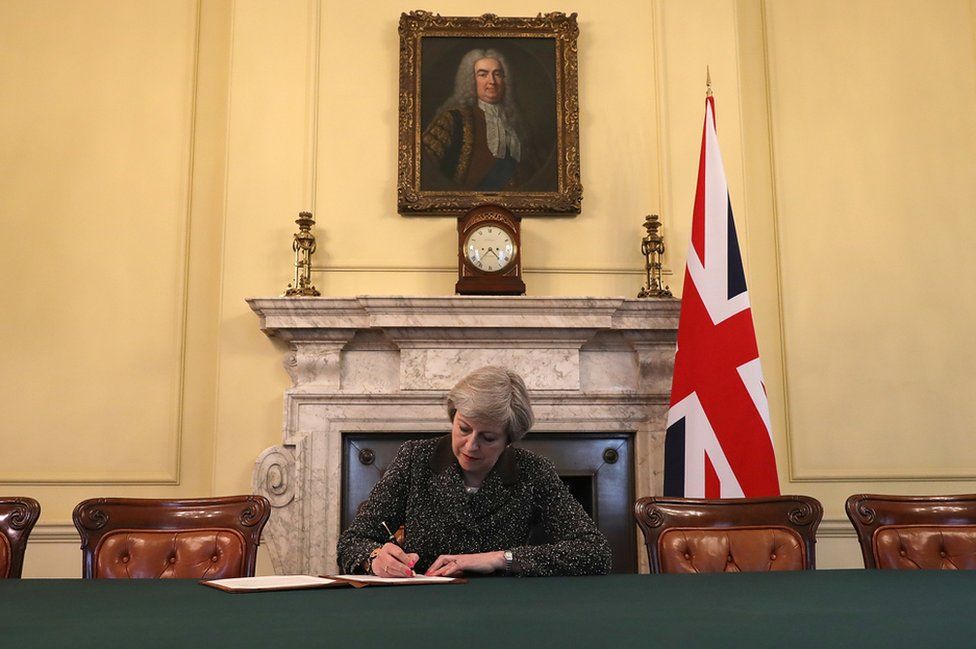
<point x="392" y="561"/>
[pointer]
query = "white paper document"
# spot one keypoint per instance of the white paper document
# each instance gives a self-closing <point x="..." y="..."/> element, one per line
<point x="271" y="582"/>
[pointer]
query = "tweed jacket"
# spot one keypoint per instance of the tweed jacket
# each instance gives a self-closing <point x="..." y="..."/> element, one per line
<point x="423" y="490"/>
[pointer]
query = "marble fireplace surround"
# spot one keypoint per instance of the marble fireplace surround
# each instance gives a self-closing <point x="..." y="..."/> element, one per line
<point x="378" y="365"/>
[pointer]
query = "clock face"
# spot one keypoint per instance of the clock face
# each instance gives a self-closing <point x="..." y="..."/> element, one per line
<point x="489" y="248"/>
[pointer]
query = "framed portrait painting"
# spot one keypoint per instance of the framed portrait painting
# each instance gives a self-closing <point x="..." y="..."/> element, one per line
<point x="489" y="113"/>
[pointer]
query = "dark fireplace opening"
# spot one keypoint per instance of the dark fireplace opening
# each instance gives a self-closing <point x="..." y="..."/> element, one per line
<point x="581" y="486"/>
<point x="598" y="469"/>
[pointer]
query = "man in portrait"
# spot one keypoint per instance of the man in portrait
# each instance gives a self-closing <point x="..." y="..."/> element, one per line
<point x="477" y="140"/>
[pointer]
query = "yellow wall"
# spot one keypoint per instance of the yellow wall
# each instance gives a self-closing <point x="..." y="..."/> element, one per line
<point x="156" y="154"/>
<point x="112" y="128"/>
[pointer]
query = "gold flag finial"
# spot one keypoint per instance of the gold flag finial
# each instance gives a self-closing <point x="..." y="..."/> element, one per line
<point x="708" y="81"/>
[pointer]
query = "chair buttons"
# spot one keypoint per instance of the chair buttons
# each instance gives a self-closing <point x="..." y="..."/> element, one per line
<point x="688" y="555"/>
<point x="730" y="559"/>
<point x="942" y="554"/>
<point x="214" y="558"/>
<point x="903" y="553"/>
<point x="172" y="559"/>
<point x="125" y="559"/>
<point x="772" y="557"/>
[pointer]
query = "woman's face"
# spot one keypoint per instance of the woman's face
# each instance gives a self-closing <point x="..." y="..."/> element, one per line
<point x="476" y="445"/>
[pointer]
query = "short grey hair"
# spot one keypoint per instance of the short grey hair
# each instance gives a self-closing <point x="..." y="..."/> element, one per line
<point x="493" y="395"/>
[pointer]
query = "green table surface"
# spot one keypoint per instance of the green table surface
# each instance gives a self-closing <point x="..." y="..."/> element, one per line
<point x="826" y="608"/>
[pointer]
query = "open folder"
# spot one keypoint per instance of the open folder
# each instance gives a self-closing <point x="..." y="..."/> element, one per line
<point x="272" y="582"/>
<point x="302" y="582"/>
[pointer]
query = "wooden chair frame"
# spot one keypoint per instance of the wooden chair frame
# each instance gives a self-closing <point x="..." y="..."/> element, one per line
<point x="656" y="515"/>
<point x="869" y="512"/>
<point x="18" y="515"/>
<point x="97" y="517"/>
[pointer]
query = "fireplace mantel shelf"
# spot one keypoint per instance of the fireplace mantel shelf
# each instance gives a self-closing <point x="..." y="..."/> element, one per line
<point x="299" y="318"/>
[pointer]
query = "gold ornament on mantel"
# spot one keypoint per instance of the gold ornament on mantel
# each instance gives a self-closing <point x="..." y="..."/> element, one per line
<point x="652" y="246"/>
<point x="304" y="246"/>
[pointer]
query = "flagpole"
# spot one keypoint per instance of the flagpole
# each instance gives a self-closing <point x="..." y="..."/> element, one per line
<point x="717" y="442"/>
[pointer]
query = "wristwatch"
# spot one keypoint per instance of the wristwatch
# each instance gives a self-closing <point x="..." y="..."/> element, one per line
<point x="509" y="560"/>
<point x="368" y="561"/>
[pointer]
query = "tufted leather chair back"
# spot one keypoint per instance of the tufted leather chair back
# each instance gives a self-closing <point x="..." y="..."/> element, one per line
<point x="729" y="534"/>
<point x="17" y="518"/>
<point x="915" y="532"/>
<point x="202" y="538"/>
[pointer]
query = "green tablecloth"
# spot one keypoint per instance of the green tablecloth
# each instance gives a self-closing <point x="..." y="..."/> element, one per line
<point x="812" y="609"/>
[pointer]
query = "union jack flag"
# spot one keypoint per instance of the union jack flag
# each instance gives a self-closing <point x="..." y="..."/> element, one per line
<point x="718" y="442"/>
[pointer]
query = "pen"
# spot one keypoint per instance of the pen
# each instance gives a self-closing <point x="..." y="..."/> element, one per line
<point x="392" y="537"/>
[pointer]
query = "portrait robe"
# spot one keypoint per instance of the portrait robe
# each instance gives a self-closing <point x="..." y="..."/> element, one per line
<point x="454" y="148"/>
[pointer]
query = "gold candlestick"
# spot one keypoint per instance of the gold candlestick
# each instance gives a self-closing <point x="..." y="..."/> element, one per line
<point x="652" y="246"/>
<point x="304" y="246"/>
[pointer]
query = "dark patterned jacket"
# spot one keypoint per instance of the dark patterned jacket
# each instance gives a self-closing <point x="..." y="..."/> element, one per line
<point x="423" y="490"/>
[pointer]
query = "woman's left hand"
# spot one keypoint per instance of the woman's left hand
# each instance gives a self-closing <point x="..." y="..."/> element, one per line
<point x="453" y="565"/>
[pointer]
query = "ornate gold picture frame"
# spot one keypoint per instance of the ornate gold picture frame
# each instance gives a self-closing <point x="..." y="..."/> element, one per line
<point x="489" y="113"/>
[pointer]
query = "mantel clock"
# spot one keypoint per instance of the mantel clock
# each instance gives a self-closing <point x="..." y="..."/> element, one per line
<point x="489" y="252"/>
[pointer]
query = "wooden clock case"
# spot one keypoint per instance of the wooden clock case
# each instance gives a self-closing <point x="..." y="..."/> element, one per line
<point x="476" y="281"/>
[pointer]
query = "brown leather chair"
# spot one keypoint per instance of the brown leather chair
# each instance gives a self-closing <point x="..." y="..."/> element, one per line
<point x="915" y="532"/>
<point x="17" y="518"/>
<point x="198" y="538"/>
<point x="730" y="534"/>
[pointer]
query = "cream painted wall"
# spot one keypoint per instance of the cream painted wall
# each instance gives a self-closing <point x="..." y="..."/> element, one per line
<point x="168" y="146"/>
<point x="870" y="151"/>
<point x="356" y="177"/>
<point x="112" y="129"/>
